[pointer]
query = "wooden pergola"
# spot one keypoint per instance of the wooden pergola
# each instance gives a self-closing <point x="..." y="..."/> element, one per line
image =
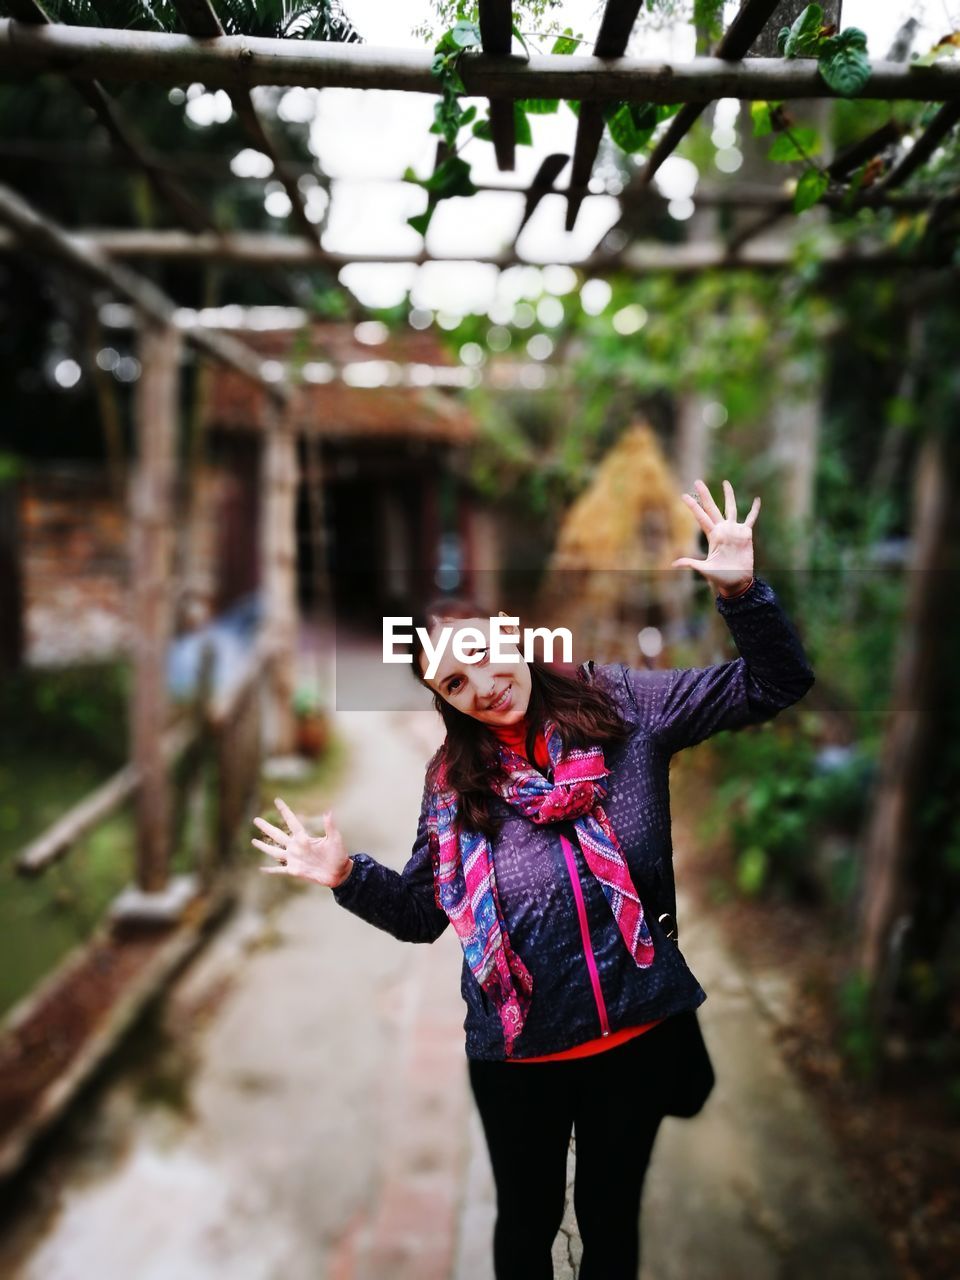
<point x="742" y="65"/>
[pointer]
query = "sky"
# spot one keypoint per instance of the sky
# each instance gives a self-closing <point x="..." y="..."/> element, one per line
<point x="365" y="139"/>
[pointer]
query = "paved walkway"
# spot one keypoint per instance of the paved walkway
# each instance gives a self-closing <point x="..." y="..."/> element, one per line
<point x="327" y="1133"/>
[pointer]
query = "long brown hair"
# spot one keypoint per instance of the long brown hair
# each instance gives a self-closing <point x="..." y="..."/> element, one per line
<point x="471" y="752"/>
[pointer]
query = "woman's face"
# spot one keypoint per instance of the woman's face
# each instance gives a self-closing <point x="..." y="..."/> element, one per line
<point x="498" y="693"/>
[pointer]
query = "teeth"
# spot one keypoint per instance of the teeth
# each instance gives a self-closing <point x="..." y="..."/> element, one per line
<point x="498" y="703"/>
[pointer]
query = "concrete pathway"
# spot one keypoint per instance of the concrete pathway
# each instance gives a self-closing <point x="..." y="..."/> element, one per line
<point x="327" y="1132"/>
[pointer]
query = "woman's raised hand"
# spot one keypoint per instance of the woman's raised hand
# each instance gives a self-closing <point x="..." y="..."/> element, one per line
<point x="729" y="563"/>
<point x="322" y="859"/>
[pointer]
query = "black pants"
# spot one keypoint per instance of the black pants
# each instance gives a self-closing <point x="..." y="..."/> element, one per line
<point x="614" y="1103"/>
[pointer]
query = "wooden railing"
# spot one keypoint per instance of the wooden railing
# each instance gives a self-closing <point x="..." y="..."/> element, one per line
<point x="224" y="733"/>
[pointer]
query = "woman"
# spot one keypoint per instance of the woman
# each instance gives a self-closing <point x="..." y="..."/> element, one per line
<point x="544" y="837"/>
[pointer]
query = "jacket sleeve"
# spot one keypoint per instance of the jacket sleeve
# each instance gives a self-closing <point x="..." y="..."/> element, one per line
<point x="400" y="902"/>
<point x="683" y="706"/>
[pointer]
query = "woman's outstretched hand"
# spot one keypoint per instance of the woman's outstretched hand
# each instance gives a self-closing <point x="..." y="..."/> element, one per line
<point x="322" y="859"/>
<point x="729" y="563"/>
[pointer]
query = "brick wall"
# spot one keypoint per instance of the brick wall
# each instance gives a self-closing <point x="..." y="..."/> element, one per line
<point x="73" y="537"/>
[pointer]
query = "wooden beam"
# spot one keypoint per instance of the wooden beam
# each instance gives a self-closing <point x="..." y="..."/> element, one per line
<point x="265" y="249"/>
<point x="942" y="124"/>
<point x="615" y="28"/>
<point x="496" y="32"/>
<point x="542" y="185"/>
<point x="279" y="475"/>
<point x="737" y="40"/>
<point x="152" y="520"/>
<point x="54" y="245"/>
<point x="199" y="19"/>
<point x="161" y="58"/>
<point x="121" y="134"/>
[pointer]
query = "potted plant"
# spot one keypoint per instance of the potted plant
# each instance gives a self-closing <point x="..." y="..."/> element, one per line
<point x="313" y="730"/>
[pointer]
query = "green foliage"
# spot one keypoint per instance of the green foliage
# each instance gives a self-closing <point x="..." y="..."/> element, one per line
<point x="841" y="58"/>
<point x="811" y="186"/>
<point x="82" y="709"/>
<point x="843" y="62"/>
<point x="708" y="18"/>
<point x="762" y="115"/>
<point x="795" y="144"/>
<point x="860" y="1040"/>
<point x="276" y="19"/>
<point x="947" y="46"/>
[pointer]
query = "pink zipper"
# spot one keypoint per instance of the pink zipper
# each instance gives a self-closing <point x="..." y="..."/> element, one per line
<point x="585" y="934"/>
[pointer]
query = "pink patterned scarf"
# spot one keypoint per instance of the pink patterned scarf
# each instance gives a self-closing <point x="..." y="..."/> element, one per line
<point x="466" y="888"/>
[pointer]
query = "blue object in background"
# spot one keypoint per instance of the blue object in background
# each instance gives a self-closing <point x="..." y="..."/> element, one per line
<point x="232" y="636"/>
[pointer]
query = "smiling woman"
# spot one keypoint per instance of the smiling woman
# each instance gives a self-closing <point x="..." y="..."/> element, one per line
<point x="544" y="839"/>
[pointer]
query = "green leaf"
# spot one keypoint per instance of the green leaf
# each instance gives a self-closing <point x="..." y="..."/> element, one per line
<point x="567" y="43"/>
<point x="761" y="114"/>
<point x="467" y="116"/>
<point x="447" y="117"/>
<point x="800" y="142"/>
<point x="421" y="221"/>
<point x="813" y="183"/>
<point x="948" y="46"/>
<point x="521" y="127"/>
<point x="574" y="105"/>
<point x="451" y="178"/>
<point x="803" y="38"/>
<point x="844" y="63"/>
<point x="465" y="34"/>
<point x="751" y="870"/>
<point x="519" y="34"/>
<point x="540" y="106"/>
<point x="482" y="130"/>
<point x="631" y="124"/>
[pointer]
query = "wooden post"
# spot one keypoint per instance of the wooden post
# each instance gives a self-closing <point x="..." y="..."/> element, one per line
<point x="888" y="895"/>
<point x="152" y="519"/>
<point x="278" y="563"/>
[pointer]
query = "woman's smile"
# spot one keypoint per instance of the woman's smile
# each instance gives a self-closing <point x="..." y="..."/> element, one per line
<point x="502" y="701"/>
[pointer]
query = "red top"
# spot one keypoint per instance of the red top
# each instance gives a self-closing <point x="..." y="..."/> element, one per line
<point x="515" y="737"/>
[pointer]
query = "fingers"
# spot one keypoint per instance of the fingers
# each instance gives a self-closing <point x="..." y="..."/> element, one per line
<point x="752" y="513"/>
<point x="271" y="849"/>
<point x="686" y="563"/>
<point x="289" y="817"/>
<point x="706" y="498"/>
<point x="701" y="517"/>
<point x="329" y="826"/>
<point x="730" y="505"/>
<point x="273" y="832"/>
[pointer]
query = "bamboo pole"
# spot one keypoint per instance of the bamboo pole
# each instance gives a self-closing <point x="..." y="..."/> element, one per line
<point x="162" y="58"/>
<point x="278" y="561"/>
<point x="152" y="519"/>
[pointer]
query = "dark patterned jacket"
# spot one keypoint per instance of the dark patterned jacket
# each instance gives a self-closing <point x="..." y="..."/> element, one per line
<point x="585" y="982"/>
